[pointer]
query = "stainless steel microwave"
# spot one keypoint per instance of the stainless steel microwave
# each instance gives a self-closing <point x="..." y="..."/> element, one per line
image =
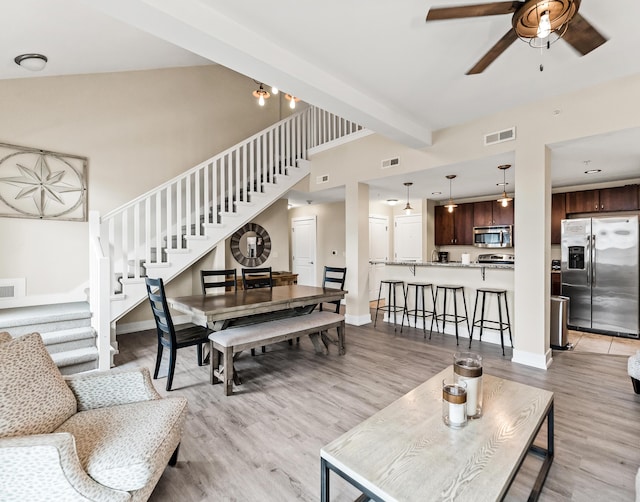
<point x="495" y="236"/>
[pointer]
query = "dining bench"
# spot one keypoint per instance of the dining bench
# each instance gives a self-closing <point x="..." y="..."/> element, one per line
<point x="228" y="342"/>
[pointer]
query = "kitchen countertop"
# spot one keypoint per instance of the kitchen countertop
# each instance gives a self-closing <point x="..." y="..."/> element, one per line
<point x="457" y="264"/>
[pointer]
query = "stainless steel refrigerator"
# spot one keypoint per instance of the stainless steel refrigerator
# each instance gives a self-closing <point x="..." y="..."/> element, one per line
<point x="601" y="274"/>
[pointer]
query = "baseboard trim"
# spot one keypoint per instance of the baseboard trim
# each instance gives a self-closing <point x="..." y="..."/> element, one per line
<point x="355" y="320"/>
<point x="540" y="361"/>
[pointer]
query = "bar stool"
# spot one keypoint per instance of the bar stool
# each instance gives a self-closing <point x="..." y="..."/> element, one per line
<point x="500" y="293"/>
<point x="391" y="305"/>
<point x="455" y="318"/>
<point x="419" y="287"/>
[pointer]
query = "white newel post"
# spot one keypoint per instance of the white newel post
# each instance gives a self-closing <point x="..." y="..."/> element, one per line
<point x="99" y="285"/>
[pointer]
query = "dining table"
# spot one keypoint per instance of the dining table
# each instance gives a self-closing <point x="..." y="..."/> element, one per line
<point x="236" y="308"/>
<point x="233" y="308"/>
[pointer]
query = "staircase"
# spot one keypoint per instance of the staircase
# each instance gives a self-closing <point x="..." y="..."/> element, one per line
<point x="163" y="232"/>
<point x="65" y="329"/>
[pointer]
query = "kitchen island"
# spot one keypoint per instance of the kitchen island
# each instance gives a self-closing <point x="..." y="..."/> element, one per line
<point x="471" y="276"/>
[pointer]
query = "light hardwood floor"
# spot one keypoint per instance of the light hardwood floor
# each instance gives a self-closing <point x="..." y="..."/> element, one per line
<point x="263" y="442"/>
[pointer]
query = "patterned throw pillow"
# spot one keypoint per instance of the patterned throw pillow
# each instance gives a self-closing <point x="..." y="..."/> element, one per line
<point x="34" y="398"/>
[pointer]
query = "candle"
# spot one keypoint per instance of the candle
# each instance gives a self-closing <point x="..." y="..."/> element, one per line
<point x="457" y="413"/>
<point x="473" y="386"/>
<point x="467" y="368"/>
<point x="454" y="404"/>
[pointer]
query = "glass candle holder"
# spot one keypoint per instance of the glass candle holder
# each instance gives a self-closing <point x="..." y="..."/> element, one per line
<point x="467" y="368"/>
<point x="454" y="403"/>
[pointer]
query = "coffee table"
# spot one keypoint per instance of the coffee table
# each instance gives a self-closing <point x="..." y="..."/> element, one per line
<point x="406" y="453"/>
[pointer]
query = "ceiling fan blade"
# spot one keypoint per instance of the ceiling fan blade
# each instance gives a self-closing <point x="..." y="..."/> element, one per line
<point x="484" y="9"/>
<point x="582" y="36"/>
<point x="494" y="52"/>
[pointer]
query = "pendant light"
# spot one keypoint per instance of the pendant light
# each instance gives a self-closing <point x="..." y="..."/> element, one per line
<point x="504" y="200"/>
<point x="450" y="206"/>
<point x="408" y="208"/>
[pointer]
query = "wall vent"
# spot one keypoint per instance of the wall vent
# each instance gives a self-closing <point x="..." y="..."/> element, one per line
<point x="500" y="136"/>
<point x="7" y="291"/>
<point x="394" y="162"/>
<point x="12" y="288"/>
<point x="322" y="179"/>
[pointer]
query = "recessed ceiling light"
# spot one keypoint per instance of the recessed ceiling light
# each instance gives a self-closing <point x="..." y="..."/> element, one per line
<point x="593" y="171"/>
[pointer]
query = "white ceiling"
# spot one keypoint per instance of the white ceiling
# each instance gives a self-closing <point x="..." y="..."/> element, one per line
<point x="377" y="63"/>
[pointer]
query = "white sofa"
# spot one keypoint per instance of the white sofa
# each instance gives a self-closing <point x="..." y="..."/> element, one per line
<point x="101" y="436"/>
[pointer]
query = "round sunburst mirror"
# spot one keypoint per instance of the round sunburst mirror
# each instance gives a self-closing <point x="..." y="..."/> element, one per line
<point x="251" y="245"/>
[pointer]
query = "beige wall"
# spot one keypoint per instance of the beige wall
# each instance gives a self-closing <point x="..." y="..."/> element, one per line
<point x="138" y="129"/>
<point x="330" y="233"/>
<point x="275" y="221"/>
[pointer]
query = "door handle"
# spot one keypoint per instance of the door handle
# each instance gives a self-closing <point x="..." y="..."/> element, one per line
<point x="593" y="260"/>
<point x="588" y="261"/>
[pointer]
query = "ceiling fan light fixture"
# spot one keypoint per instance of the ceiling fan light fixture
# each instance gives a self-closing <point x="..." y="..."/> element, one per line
<point x="544" y="27"/>
<point x="539" y="23"/>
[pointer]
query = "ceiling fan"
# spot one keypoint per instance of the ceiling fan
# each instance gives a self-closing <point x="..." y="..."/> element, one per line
<point x="532" y="21"/>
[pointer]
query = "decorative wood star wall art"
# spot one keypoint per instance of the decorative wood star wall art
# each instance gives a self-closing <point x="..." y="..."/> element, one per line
<point x="41" y="184"/>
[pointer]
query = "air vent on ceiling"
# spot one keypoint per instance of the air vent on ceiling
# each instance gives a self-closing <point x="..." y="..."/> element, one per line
<point x="322" y="179"/>
<point x="500" y="136"/>
<point x="394" y="162"/>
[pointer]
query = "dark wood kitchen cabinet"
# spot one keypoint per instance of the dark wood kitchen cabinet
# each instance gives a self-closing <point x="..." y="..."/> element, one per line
<point x="454" y="228"/>
<point x="585" y="201"/>
<point x="624" y="198"/>
<point x="558" y="213"/>
<point x="491" y="212"/>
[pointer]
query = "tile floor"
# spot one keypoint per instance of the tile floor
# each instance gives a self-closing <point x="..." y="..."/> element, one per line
<point x="602" y="344"/>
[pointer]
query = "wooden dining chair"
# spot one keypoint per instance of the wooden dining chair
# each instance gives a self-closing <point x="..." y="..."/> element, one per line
<point x="170" y="336"/>
<point x="334" y="277"/>
<point x="213" y="279"/>
<point x="263" y="278"/>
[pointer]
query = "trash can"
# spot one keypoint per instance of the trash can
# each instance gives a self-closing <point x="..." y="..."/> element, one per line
<point x="559" y="306"/>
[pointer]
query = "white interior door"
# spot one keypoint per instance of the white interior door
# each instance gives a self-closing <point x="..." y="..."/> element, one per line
<point x="407" y="238"/>
<point x="378" y="250"/>
<point x="303" y="245"/>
